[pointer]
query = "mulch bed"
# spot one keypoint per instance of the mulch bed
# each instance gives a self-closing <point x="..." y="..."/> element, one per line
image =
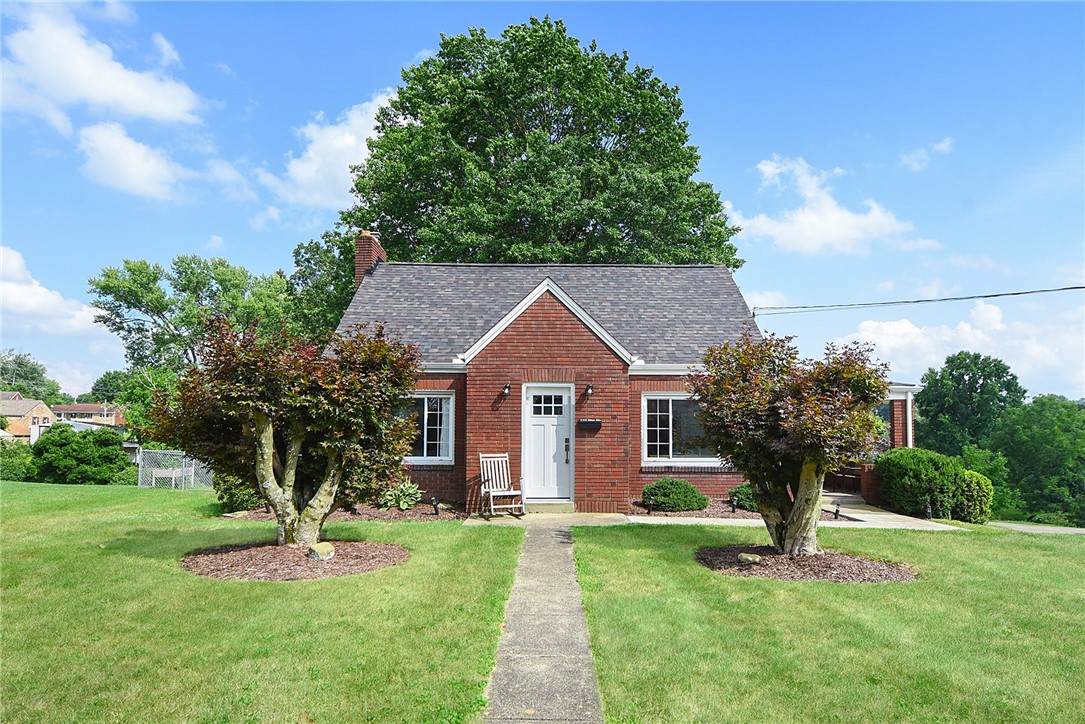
<point x="422" y="511"/>
<point x="717" y="508"/>
<point x="270" y="562"/>
<point x="832" y="567"/>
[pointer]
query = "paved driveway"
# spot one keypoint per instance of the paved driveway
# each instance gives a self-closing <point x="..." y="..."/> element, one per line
<point x="1049" y="529"/>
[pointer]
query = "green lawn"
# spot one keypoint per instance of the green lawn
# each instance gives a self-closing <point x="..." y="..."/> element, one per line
<point x="993" y="630"/>
<point x="100" y="622"/>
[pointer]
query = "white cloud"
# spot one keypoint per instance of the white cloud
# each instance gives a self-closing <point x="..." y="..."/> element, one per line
<point x="224" y="69"/>
<point x="1045" y="350"/>
<point x="29" y="308"/>
<point x="320" y="177"/>
<point x="920" y="159"/>
<point x="821" y="225"/>
<point x="232" y="182"/>
<point x="115" y="159"/>
<point x="167" y="54"/>
<point x="260" y="220"/>
<point x="936" y="288"/>
<point x="920" y="244"/>
<point x="765" y="299"/>
<point x="53" y="64"/>
<point x="887" y="286"/>
<point x="214" y="243"/>
<point x="980" y="262"/>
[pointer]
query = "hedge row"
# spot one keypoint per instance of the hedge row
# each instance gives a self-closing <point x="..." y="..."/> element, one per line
<point x="913" y="478"/>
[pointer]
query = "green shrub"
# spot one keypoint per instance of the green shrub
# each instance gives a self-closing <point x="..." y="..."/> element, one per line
<point x="128" y="476"/>
<point x="743" y="497"/>
<point x="673" y="494"/>
<point x="404" y="495"/>
<point x="235" y="494"/>
<point x="94" y="457"/>
<point x="15" y="459"/>
<point x="1008" y="504"/>
<point x="1051" y="518"/>
<point x="973" y="497"/>
<point x="912" y="477"/>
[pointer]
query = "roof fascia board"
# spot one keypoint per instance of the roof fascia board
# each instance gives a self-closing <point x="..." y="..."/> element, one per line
<point x="664" y="369"/>
<point x="457" y="368"/>
<point x="548" y="285"/>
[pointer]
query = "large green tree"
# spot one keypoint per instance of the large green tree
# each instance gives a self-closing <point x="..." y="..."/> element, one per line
<point x="311" y="427"/>
<point x="160" y="313"/>
<point x="960" y="403"/>
<point x="322" y="284"/>
<point x="1044" y="445"/>
<point x="23" y="374"/>
<point x="533" y="148"/>
<point x="786" y="421"/>
<point x="107" y="387"/>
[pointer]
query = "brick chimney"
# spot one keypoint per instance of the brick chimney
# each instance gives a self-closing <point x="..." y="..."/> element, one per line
<point x="367" y="252"/>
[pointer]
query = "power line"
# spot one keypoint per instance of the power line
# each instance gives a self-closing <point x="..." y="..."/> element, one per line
<point x="768" y="311"/>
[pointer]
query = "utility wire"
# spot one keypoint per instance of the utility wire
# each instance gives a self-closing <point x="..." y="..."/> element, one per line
<point x="768" y="311"/>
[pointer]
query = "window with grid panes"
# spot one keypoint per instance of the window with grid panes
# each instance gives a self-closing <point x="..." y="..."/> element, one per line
<point x="433" y="418"/>
<point x="672" y="430"/>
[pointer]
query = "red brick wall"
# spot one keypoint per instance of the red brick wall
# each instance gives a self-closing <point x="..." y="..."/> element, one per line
<point x="869" y="481"/>
<point x="367" y="252"/>
<point x="445" y="482"/>
<point x="547" y="343"/>
<point x="898" y="424"/>
<point x="712" y="482"/>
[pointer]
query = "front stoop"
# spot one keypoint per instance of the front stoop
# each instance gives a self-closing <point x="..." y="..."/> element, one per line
<point x="558" y="506"/>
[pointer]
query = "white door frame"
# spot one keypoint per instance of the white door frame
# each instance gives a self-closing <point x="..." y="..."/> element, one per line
<point x="569" y="389"/>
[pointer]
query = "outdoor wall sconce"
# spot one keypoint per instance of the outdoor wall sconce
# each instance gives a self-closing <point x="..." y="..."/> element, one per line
<point x="589" y="390"/>
<point x="507" y="389"/>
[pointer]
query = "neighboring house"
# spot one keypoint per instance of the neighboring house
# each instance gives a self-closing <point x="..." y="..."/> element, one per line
<point x="95" y="413"/>
<point x="23" y="414"/>
<point x="576" y="371"/>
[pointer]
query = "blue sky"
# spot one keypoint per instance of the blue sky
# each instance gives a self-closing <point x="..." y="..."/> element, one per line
<point x="871" y="152"/>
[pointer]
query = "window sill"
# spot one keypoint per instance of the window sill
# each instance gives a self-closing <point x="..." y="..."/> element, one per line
<point x="716" y="466"/>
<point x="430" y="462"/>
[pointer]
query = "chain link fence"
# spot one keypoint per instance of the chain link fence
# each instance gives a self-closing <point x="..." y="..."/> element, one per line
<point x="172" y="469"/>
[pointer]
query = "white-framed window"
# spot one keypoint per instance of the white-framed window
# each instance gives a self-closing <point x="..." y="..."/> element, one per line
<point x="434" y="413"/>
<point x="671" y="432"/>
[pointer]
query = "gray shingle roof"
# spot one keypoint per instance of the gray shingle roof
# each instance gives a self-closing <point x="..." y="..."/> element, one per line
<point x="17" y="408"/>
<point x="662" y="314"/>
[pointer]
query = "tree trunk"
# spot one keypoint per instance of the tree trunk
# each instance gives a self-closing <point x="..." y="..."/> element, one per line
<point x="792" y="526"/>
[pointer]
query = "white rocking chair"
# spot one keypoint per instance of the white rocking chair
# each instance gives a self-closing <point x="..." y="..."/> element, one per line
<point x="497" y="484"/>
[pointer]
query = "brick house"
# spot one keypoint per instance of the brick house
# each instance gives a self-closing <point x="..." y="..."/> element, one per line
<point x="576" y="371"/>
<point x="23" y="414"/>
<point x="94" y="413"/>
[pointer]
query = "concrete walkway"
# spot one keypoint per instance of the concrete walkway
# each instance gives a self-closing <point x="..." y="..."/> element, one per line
<point x="545" y="670"/>
<point x="851" y="506"/>
<point x="1045" y="529"/>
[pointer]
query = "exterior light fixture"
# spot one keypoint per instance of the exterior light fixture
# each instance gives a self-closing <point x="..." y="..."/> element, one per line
<point x="506" y="389"/>
<point x="734" y="505"/>
<point x="836" y="514"/>
<point x="436" y="507"/>
<point x="589" y="390"/>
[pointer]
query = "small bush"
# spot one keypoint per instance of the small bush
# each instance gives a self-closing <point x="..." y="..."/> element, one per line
<point x="912" y="477"/>
<point x="973" y="497"/>
<point x="1051" y="518"/>
<point x="672" y="495"/>
<point x="1007" y="504"/>
<point x="743" y="497"/>
<point x="404" y="495"/>
<point x="15" y="460"/>
<point x="235" y="494"/>
<point x="128" y="476"/>
<point x="94" y="457"/>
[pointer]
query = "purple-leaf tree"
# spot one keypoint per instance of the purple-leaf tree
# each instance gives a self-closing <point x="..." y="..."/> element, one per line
<point x="786" y="421"/>
<point x="312" y="428"/>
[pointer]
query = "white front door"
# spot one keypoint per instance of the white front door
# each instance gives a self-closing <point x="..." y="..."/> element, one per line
<point x="547" y="455"/>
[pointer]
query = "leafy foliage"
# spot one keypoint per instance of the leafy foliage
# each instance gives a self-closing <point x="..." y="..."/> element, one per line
<point x="107" y="387"/>
<point x="785" y="421"/>
<point x="93" y="457"/>
<point x="913" y="477"/>
<point x="235" y="494"/>
<point x="22" y="373"/>
<point x="531" y="148"/>
<point x="673" y="494"/>
<point x="15" y="460"/>
<point x="322" y="284"/>
<point x="973" y="498"/>
<point x="128" y="476"/>
<point x="1044" y="446"/>
<point x="960" y="404"/>
<point x="313" y="428"/>
<point x="139" y="391"/>
<point x="404" y="495"/>
<point x="742" y="496"/>
<point x="160" y="315"/>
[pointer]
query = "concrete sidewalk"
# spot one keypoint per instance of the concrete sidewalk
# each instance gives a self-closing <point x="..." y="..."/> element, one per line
<point x="1043" y="529"/>
<point x="851" y="506"/>
<point x="545" y="670"/>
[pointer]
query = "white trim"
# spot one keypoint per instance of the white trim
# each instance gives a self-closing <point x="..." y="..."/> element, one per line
<point x="903" y="392"/>
<point x="647" y="462"/>
<point x="451" y="396"/>
<point x="664" y="369"/>
<point x="456" y="368"/>
<point x="570" y="421"/>
<point x="908" y="420"/>
<point x="548" y="285"/>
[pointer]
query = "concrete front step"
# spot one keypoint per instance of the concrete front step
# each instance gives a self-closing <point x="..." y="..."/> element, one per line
<point x="557" y="506"/>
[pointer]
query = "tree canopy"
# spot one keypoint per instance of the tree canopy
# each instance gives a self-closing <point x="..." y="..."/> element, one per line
<point x="532" y="148"/>
<point x="107" y="387"/>
<point x="312" y="428"/>
<point x="22" y="373"/>
<point x="960" y="404"/>
<point x="160" y="314"/>
<point x="785" y="421"/>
